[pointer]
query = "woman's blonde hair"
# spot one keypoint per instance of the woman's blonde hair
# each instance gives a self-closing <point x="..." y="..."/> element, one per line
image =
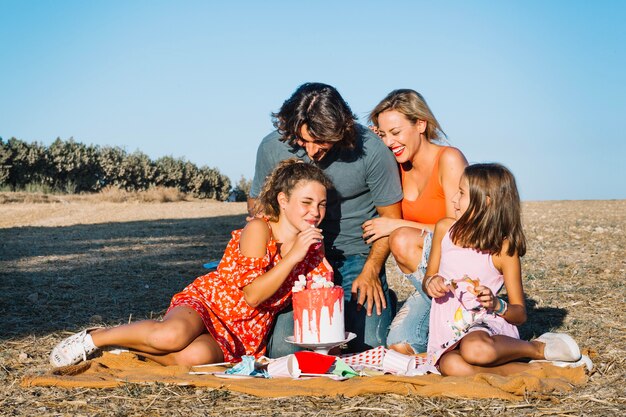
<point x="413" y="106"/>
<point x="283" y="179"/>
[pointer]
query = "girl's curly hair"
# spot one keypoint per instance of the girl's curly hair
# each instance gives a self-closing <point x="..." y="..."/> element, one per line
<point x="284" y="178"/>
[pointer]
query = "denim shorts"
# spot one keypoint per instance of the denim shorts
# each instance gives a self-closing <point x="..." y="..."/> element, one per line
<point x="412" y="321"/>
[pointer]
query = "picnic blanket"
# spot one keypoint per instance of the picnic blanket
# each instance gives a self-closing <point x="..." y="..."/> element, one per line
<point x="113" y="370"/>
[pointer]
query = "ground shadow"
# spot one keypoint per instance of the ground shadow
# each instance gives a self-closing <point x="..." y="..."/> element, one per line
<point x="54" y="278"/>
<point x="540" y="320"/>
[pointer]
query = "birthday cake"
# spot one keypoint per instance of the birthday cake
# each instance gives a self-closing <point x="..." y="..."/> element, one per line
<point x="318" y="310"/>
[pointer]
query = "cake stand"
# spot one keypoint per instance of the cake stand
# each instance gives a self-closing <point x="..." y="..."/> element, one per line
<point x="321" y="347"/>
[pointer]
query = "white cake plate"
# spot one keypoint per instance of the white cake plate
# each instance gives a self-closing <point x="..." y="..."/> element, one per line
<point x="321" y="347"/>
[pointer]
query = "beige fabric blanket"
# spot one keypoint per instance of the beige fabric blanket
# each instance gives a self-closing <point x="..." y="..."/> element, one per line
<point x="111" y="370"/>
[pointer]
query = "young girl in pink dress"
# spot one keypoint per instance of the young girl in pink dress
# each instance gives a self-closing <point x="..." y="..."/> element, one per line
<point x="473" y="330"/>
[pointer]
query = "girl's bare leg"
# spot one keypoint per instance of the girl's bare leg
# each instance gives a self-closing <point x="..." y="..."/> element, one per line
<point x="479" y="352"/>
<point x="479" y="348"/>
<point x="179" y="328"/>
<point x="406" y="245"/>
<point x="453" y="364"/>
<point x="202" y="350"/>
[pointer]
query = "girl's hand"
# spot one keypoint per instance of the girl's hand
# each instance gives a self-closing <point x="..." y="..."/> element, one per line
<point x="304" y="240"/>
<point x="376" y="228"/>
<point x="485" y="297"/>
<point x="436" y="286"/>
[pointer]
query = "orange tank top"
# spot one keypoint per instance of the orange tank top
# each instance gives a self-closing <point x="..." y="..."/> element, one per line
<point x="430" y="205"/>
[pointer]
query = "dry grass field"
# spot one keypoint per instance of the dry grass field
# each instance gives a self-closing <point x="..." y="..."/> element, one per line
<point x="69" y="262"/>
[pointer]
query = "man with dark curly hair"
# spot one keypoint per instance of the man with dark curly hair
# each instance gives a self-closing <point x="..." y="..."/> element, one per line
<point x="316" y="125"/>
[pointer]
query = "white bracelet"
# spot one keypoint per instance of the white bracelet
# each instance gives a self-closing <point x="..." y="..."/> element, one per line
<point x="428" y="279"/>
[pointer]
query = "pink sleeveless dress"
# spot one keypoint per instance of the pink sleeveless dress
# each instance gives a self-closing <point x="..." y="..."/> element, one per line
<point x="456" y="314"/>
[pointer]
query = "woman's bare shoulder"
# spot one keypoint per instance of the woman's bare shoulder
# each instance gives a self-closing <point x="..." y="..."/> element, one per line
<point x="254" y="238"/>
<point x="452" y="156"/>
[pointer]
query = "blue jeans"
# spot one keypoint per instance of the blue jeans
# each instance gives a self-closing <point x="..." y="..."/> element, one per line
<point x="412" y="321"/>
<point x="371" y="331"/>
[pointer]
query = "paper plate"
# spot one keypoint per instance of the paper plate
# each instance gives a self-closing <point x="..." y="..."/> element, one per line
<point x="235" y="376"/>
<point x="317" y="346"/>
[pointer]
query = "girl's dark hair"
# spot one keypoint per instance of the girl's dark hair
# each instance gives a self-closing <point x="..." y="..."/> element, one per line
<point x="284" y="178"/>
<point x="494" y="212"/>
<point x="327" y="116"/>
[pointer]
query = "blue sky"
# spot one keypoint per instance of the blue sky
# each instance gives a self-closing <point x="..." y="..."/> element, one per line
<point x="539" y="86"/>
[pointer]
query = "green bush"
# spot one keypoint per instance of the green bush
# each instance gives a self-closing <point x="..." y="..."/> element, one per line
<point x="170" y="172"/>
<point x="5" y="162"/>
<point x="25" y="164"/>
<point x="136" y="172"/>
<point x="110" y="159"/>
<point x="70" y="167"/>
<point x="242" y="190"/>
<point x="74" y="166"/>
<point x="209" y="183"/>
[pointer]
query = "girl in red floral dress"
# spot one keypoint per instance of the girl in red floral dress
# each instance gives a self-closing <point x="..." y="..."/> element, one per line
<point x="228" y="313"/>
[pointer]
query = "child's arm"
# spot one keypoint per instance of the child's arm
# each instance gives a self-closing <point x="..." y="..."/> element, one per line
<point x="253" y="244"/>
<point x="433" y="284"/>
<point x="510" y="267"/>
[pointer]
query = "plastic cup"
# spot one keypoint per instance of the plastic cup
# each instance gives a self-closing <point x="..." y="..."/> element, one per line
<point x="285" y="367"/>
<point x="398" y="363"/>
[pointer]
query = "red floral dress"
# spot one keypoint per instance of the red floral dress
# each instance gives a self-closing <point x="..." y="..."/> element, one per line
<point x="218" y="298"/>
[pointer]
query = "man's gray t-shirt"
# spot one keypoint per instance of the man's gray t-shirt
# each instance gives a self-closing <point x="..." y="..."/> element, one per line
<point x="364" y="178"/>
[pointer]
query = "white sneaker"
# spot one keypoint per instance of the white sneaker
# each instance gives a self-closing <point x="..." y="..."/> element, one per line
<point x="559" y="347"/>
<point x="73" y="349"/>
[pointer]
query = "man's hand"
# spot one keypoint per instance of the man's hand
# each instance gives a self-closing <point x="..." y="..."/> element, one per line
<point x="367" y="286"/>
<point x="368" y="289"/>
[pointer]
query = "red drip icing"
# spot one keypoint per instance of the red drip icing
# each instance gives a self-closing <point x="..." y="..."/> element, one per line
<point x="314" y="301"/>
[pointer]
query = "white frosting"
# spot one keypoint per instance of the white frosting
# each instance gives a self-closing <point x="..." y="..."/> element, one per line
<point x="329" y="327"/>
<point x="300" y="284"/>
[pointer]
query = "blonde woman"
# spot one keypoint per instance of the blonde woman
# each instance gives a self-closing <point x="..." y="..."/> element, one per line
<point x="430" y="174"/>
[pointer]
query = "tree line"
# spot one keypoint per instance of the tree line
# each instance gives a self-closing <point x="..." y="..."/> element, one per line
<point x="72" y="167"/>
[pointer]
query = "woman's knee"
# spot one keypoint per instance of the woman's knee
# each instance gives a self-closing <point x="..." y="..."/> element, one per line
<point x="404" y="244"/>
